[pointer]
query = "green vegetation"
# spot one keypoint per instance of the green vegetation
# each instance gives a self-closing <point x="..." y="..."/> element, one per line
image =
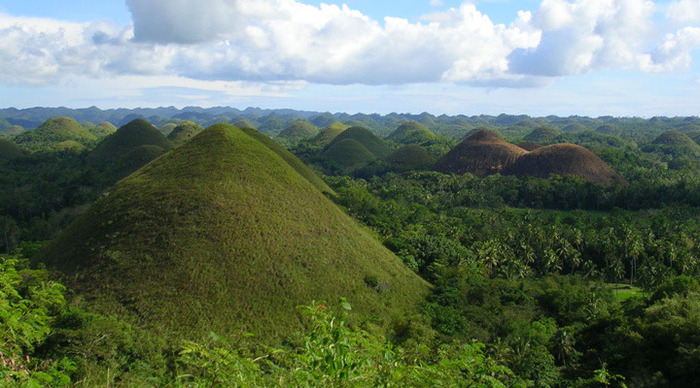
<point x="300" y="129"/>
<point x="411" y="132"/>
<point x="553" y="281"/>
<point x="367" y="139"/>
<point x="133" y="134"/>
<point x="410" y="158"/>
<point x="348" y="153"/>
<point x="183" y="132"/>
<point x="103" y="129"/>
<point x="542" y="135"/>
<point x="9" y="150"/>
<point x="328" y="133"/>
<point x="54" y="131"/>
<point x="208" y="236"/>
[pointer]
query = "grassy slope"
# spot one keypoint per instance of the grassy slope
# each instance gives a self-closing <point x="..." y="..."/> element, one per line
<point x="223" y="235"/>
<point x="300" y="129"/>
<point x="129" y="136"/>
<point x="290" y="158"/>
<point x="411" y="132"/>
<point x="327" y="134"/>
<point x="348" y="153"/>
<point x="56" y="130"/>
<point x="9" y="150"/>
<point x="411" y="156"/>
<point x="183" y="132"/>
<point x="374" y="144"/>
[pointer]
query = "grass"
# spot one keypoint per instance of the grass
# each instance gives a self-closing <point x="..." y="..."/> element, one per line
<point x="56" y="130"/>
<point x="300" y="129"/>
<point x="411" y="132"/>
<point x="9" y="150"/>
<point x="223" y="235"/>
<point x="128" y="137"/>
<point x="623" y="291"/>
<point x="348" y="153"/>
<point x="327" y="134"/>
<point x="183" y="132"/>
<point x="370" y="141"/>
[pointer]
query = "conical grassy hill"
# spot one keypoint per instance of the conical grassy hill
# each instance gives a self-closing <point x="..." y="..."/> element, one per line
<point x="221" y="234"/>
<point x="542" y="135"/>
<point x="347" y="153"/>
<point x="54" y="131"/>
<point x="103" y="129"/>
<point x="183" y="132"/>
<point x="300" y="129"/>
<point x="370" y="141"/>
<point x="565" y="159"/>
<point x="411" y="132"/>
<point x="328" y="133"/>
<point x="483" y="153"/>
<point x="135" y="133"/>
<point x="410" y="157"/>
<point x="674" y="143"/>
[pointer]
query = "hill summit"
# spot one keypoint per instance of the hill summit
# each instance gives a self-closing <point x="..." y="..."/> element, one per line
<point x="411" y="132"/>
<point x="56" y="130"/>
<point x="222" y="234"/>
<point x="482" y="153"/>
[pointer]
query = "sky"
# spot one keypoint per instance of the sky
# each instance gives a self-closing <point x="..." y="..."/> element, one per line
<point x="537" y="57"/>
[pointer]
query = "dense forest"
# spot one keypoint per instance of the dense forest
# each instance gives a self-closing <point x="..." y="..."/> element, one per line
<point x="223" y="247"/>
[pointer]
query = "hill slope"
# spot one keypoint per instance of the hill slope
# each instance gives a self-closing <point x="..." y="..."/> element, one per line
<point x="564" y="159"/>
<point x="56" y="130"/>
<point x="9" y="150"/>
<point x="370" y="141"/>
<point x="328" y="133"/>
<point x="223" y="235"/>
<point x="183" y="132"/>
<point x="300" y="129"/>
<point x="483" y="153"/>
<point x="411" y="132"/>
<point x="135" y="133"/>
<point x="410" y="157"/>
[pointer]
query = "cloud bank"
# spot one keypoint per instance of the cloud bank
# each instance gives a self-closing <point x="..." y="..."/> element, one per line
<point x="285" y="40"/>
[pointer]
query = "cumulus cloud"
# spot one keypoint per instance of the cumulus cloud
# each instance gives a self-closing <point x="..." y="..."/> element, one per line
<point x="684" y="11"/>
<point x="285" y="40"/>
<point x="586" y="35"/>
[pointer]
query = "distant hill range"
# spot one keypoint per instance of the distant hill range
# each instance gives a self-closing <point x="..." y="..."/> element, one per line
<point x="223" y="234"/>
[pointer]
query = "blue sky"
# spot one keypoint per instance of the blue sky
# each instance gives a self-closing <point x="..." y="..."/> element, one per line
<point x="563" y="57"/>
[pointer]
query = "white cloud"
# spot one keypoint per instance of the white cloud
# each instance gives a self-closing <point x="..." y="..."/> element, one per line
<point x="284" y="40"/>
<point x="587" y="35"/>
<point x="436" y="3"/>
<point x="684" y="11"/>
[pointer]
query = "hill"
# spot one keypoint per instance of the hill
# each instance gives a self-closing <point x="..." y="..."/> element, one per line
<point x="135" y="133"/>
<point x="9" y="150"/>
<point x="542" y="135"/>
<point x="410" y="157"/>
<point x="183" y="132"/>
<point x="564" y="159"/>
<point x="411" y="132"/>
<point x="347" y="153"/>
<point x="56" y="130"/>
<point x="674" y="143"/>
<point x="328" y="133"/>
<point x="103" y="129"/>
<point x="483" y="153"/>
<point x="367" y="139"/>
<point x="222" y="235"/>
<point x="290" y="158"/>
<point x="300" y="129"/>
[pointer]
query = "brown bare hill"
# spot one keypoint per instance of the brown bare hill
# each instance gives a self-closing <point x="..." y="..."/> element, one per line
<point x="223" y="235"/>
<point x="483" y="153"/>
<point x="564" y="159"/>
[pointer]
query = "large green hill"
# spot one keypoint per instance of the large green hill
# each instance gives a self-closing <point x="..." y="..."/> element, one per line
<point x="223" y="235"/>
<point x="54" y="131"/>
<point x="183" y="132"/>
<point x="328" y="133"/>
<point x="135" y="133"/>
<point x="370" y="141"/>
<point x="411" y="132"/>
<point x="300" y="129"/>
